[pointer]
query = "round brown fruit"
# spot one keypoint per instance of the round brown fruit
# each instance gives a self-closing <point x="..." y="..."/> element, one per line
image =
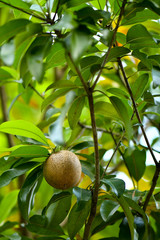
<point x="62" y="170"/>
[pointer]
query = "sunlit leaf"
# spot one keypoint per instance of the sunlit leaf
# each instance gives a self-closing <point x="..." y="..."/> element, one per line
<point x="23" y="128"/>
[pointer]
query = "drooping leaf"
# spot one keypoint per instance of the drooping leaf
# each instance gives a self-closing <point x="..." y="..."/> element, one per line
<point x="11" y="28"/>
<point x="56" y="197"/>
<point x="38" y="224"/>
<point x="117" y="185"/>
<point x="123" y="112"/>
<point x="77" y="217"/>
<point x="62" y="84"/>
<point x="12" y="173"/>
<point x="139" y="86"/>
<point x="82" y="194"/>
<point x="28" y="190"/>
<point x="136" y="163"/>
<point x="23" y="128"/>
<point x="75" y="110"/>
<point x="108" y="208"/>
<point x="30" y="152"/>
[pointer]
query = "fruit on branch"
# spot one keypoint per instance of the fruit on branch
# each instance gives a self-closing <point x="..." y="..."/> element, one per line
<point x="62" y="170"/>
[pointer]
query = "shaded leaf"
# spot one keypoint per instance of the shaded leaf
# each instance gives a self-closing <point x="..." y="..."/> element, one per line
<point x="82" y="194"/>
<point x="139" y="86"/>
<point x="136" y="163"/>
<point x="75" y="110"/>
<point x="12" y="173"/>
<point x="106" y="109"/>
<point x="77" y="217"/>
<point x="117" y="52"/>
<point x="117" y="185"/>
<point x="108" y="208"/>
<point x="28" y="190"/>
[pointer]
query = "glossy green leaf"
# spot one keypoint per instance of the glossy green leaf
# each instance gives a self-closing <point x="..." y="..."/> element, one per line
<point x="118" y="92"/>
<point x="123" y="203"/>
<point x="108" y="208"/>
<point x="7" y="203"/>
<point x="123" y="112"/>
<point x="77" y="217"/>
<point x="74" y="3"/>
<point x="82" y="194"/>
<point x="117" y="52"/>
<point x="23" y="128"/>
<point x="7" y="225"/>
<point x="30" y="152"/>
<point x="38" y="224"/>
<point x="28" y="190"/>
<point x="139" y="86"/>
<point x="11" y="28"/>
<point x="83" y="145"/>
<point x="143" y="57"/>
<point x="106" y="109"/>
<point x="58" y="210"/>
<point x="75" y="110"/>
<point x="12" y="173"/>
<point x="138" y="37"/>
<point x="136" y="163"/>
<point x="117" y="185"/>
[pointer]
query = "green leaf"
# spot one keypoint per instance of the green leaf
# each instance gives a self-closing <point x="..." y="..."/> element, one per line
<point x="5" y="75"/>
<point x="7" y="204"/>
<point x="30" y="152"/>
<point x="74" y="3"/>
<point x="118" y="92"/>
<point x="28" y="190"/>
<point x="143" y="57"/>
<point x="83" y="145"/>
<point x="82" y="194"/>
<point x="123" y="112"/>
<point x="7" y="225"/>
<point x="79" y="42"/>
<point x="75" y="110"/>
<point x="136" y="163"/>
<point x="123" y="203"/>
<point x="117" y="185"/>
<point x="56" y="197"/>
<point x="138" y="37"/>
<point x="38" y="224"/>
<point x="58" y="210"/>
<point x="139" y="86"/>
<point x="12" y="173"/>
<point x="62" y="84"/>
<point x="23" y="128"/>
<point x="36" y="54"/>
<point x="56" y="56"/>
<point x="58" y="93"/>
<point x="107" y="209"/>
<point x="11" y="28"/>
<point x="106" y="109"/>
<point x="117" y="52"/>
<point x="77" y="217"/>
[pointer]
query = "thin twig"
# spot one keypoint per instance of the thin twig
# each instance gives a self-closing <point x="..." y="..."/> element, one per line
<point x="136" y="111"/>
<point x="24" y="11"/>
<point x="115" y="150"/>
<point x="111" y="44"/>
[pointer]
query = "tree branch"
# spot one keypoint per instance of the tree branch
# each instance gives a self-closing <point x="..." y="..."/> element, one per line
<point x="136" y="111"/>
<point x="111" y="44"/>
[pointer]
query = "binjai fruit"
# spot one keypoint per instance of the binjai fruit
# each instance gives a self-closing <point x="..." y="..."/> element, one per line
<point x="62" y="170"/>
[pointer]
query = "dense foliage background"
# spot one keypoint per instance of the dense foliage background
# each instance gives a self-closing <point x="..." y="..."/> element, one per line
<point x="83" y="76"/>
